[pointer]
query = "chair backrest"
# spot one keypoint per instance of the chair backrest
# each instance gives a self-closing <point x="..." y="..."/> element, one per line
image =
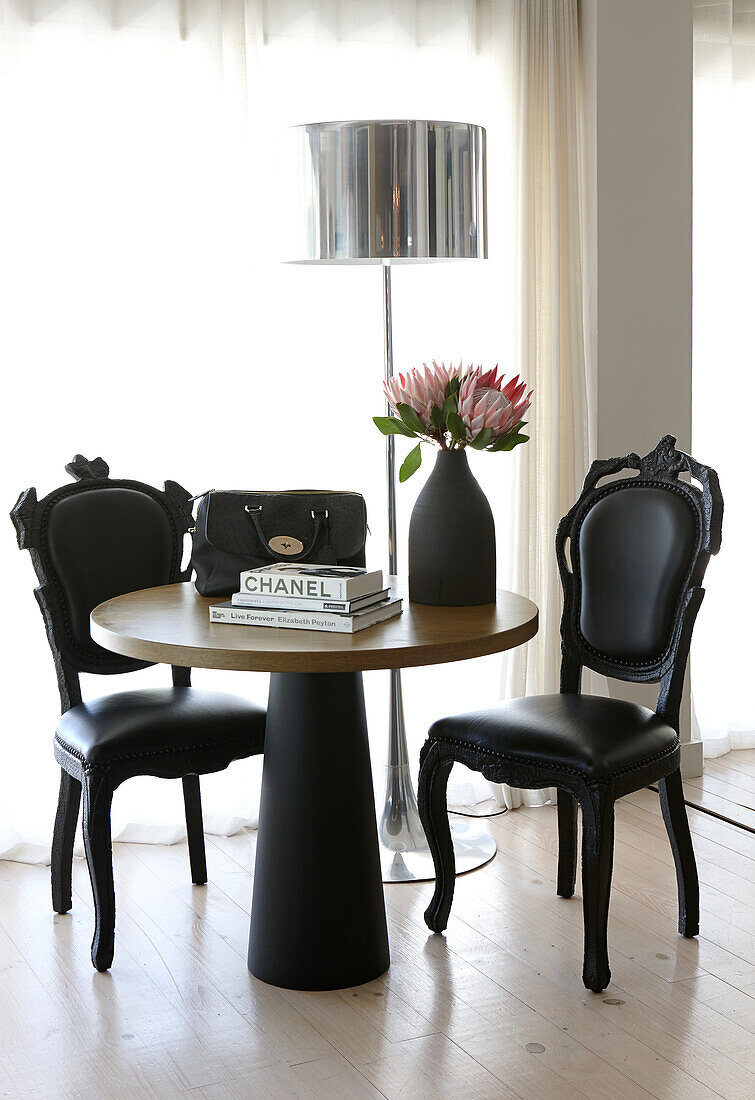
<point x="92" y="540"/>
<point x="632" y="554"/>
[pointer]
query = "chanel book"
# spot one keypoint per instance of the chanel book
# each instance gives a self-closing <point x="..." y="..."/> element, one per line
<point x="304" y="603"/>
<point x="311" y="582"/>
<point x="304" y="620"/>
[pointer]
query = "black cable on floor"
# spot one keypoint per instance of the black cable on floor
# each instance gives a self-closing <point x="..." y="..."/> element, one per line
<point x="712" y="813"/>
<point x="481" y="817"/>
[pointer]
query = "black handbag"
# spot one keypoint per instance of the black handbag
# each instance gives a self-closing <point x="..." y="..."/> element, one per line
<point x="237" y="530"/>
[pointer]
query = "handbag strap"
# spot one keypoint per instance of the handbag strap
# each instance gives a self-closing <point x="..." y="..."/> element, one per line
<point x="321" y="524"/>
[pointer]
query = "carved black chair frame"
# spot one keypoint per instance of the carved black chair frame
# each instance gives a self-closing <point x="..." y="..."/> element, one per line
<point x="30" y="517"/>
<point x="661" y="468"/>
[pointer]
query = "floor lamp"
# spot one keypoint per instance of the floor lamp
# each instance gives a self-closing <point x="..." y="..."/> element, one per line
<point x="388" y="192"/>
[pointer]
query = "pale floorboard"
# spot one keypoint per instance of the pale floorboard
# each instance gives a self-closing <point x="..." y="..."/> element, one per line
<point x="494" y="1008"/>
<point x="727" y="787"/>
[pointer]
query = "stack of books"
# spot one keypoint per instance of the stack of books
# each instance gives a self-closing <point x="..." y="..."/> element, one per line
<point x="309" y="597"/>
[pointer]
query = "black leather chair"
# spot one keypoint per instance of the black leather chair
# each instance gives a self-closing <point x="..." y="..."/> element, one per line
<point x="90" y="541"/>
<point x="632" y="554"/>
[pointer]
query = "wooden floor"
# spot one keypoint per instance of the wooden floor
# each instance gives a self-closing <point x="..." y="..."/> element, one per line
<point x="494" y="1008"/>
<point x="727" y="787"/>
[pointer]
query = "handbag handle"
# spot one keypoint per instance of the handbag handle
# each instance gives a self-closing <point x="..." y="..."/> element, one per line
<point x="320" y="524"/>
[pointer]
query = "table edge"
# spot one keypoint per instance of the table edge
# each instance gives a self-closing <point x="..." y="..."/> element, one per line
<point x="360" y="660"/>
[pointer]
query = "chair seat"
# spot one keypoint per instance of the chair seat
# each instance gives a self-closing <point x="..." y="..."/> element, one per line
<point x="159" y="720"/>
<point x="597" y="736"/>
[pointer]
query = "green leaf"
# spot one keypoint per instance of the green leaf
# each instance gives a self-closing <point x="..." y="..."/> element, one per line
<point x="410" y="418"/>
<point x="451" y="404"/>
<point x="411" y="464"/>
<point x="389" y="425"/>
<point x="453" y="386"/>
<point x="517" y="440"/>
<point x="482" y="439"/>
<point x="456" y="427"/>
<point x="436" y="415"/>
<point x="508" y="442"/>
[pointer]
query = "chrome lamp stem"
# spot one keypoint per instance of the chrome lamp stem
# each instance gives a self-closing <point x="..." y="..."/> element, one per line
<point x="399" y="828"/>
<point x="404" y="851"/>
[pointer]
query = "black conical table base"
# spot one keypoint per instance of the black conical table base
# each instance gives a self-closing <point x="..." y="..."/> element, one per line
<point x="318" y="914"/>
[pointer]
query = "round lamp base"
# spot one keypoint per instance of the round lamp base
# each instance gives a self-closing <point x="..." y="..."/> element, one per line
<point x="472" y="848"/>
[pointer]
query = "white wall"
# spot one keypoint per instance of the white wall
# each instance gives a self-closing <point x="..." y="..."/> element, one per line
<point x="638" y="88"/>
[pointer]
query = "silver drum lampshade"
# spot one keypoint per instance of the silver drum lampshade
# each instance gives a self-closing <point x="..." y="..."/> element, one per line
<point x="376" y="191"/>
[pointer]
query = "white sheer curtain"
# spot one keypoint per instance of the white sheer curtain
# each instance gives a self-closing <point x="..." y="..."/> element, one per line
<point x="551" y="320"/>
<point x="724" y="357"/>
<point x="148" y="317"/>
<point x="549" y="198"/>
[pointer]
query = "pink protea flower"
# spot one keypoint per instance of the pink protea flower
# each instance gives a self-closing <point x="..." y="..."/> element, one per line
<point x="420" y="389"/>
<point x="486" y="402"/>
<point x="454" y="407"/>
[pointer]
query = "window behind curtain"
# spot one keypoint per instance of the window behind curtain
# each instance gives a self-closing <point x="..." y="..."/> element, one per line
<point x="146" y="315"/>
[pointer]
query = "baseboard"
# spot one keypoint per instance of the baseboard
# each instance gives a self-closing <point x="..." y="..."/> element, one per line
<point x="692" y="759"/>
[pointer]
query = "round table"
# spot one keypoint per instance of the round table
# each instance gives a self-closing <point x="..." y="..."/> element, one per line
<point x="318" y="914"/>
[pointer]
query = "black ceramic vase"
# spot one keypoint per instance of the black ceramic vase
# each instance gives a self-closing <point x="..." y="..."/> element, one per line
<point x="452" y="538"/>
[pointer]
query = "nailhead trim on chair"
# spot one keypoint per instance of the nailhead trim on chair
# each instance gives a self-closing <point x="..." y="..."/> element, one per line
<point x="149" y="755"/>
<point x="528" y="761"/>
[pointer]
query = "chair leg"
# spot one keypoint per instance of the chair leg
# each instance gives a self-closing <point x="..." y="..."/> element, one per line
<point x="597" y="865"/>
<point x="66" y="820"/>
<point x="567" y="844"/>
<point x="195" y="829"/>
<point x="431" y="798"/>
<point x="98" y="797"/>
<point x="677" y="826"/>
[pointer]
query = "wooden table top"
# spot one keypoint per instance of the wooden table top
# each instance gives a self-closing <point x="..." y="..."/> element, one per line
<point x="171" y="625"/>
